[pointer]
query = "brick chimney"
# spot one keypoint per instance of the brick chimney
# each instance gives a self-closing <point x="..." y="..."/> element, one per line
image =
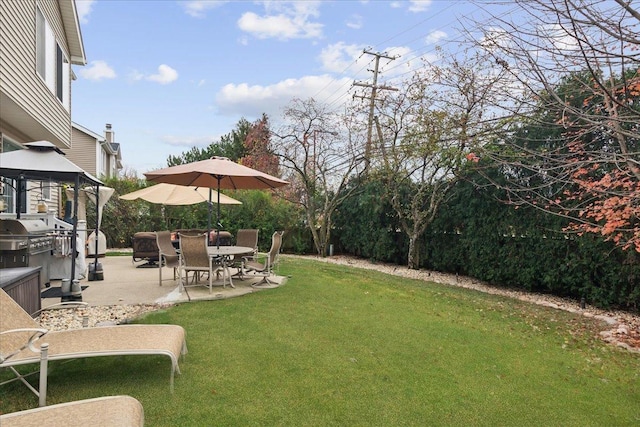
<point x="109" y="134"/>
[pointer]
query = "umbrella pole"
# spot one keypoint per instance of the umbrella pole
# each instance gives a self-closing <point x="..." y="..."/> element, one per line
<point x="218" y="224"/>
<point x="19" y="182"/>
<point x="209" y="217"/>
<point x="66" y="296"/>
<point x="95" y="264"/>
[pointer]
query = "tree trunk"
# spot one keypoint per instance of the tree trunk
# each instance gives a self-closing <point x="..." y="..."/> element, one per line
<point x="413" y="262"/>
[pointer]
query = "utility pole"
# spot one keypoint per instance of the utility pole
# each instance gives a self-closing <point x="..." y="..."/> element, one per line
<point x="372" y="99"/>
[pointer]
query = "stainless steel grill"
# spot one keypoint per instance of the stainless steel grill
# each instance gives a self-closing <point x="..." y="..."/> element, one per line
<point x="26" y="243"/>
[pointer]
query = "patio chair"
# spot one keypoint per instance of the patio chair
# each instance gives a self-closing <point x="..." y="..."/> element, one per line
<point x="195" y="258"/>
<point x="265" y="269"/>
<point x="167" y="255"/>
<point x="97" y="412"/>
<point x="247" y="237"/>
<point x="145" y="248"/>
<point x="23" y="341"/>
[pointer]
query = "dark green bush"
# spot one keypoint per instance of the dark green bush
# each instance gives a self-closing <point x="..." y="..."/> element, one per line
<point x="366" y="226"/>
<point x="475" y="234"/>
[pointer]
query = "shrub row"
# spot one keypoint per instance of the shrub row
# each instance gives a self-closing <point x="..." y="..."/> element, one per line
<point x="476" y="235"/>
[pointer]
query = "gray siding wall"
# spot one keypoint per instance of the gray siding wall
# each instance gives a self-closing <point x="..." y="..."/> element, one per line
<point x="83" y="153"/>
<point x="19" y="79"/>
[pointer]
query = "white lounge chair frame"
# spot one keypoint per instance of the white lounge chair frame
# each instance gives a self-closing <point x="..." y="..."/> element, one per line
<point x="96" y="412"/>
<point x="23" y="342"/>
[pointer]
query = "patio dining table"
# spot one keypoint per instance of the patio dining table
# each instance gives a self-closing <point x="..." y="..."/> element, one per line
<point x="226" y="252"/>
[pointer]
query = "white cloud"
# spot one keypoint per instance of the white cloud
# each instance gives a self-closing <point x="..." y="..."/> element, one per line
<point x="435" y="36"/>
<point x="349" y="58"/>
<point x="339" y="56"/>
<point x="164" y="76"/>
<point x="415" y="6"/>
<point x="405" y="60"/>
<point x="135" y="76"/>
<point x="560" y="38"/>
<point x="83" y="7"/>
<point x="495" y="38"/>
<point x="355" y="22"/>
<point x="96" y="71"/>
<point x="198" y="8"/>
<point x="418" y="6"/>
<point x="252" y="101"/>
<point x="283" y="20"/>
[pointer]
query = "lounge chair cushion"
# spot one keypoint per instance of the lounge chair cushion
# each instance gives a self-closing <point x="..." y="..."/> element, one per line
<point x="109" y="341"/>
<point x="106" y="411"/>
<point x="21" y="339"/>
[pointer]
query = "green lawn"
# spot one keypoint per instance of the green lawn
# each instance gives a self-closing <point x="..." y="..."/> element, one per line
<point x="338" y="346"/>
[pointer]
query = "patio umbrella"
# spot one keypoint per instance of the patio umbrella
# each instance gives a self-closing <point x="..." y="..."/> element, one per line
<point x="179" y="195"/>
<point x="216" y="172"/>
<point x="176" y="195"/>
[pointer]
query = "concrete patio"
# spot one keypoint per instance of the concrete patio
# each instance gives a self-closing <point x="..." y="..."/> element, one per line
<point x="126" y="283"/>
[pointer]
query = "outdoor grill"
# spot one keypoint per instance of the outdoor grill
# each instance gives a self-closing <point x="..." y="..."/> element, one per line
<point x="26" y="243"/>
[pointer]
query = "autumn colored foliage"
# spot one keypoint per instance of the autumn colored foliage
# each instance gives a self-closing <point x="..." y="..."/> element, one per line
<point x="611" y="207"/>
<point x="605" y="194"/>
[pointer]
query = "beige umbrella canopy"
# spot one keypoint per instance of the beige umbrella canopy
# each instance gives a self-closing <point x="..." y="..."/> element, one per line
<point x="176" y="195"/>
<point x="217" y="173"/>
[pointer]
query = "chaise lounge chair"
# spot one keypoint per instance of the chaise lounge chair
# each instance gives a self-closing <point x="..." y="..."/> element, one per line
<point x="23" y="341"/>
<point x="98" y="412"/>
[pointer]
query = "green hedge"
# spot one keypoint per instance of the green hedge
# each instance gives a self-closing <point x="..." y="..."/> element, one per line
<point x="476" y="235"/>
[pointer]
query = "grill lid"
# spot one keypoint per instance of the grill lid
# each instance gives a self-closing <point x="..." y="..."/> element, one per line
<point x="23" y="227"/>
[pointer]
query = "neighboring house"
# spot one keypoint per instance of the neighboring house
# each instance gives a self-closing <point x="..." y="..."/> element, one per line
<point x="39" y="40"/>
<point x="96" y="154"/>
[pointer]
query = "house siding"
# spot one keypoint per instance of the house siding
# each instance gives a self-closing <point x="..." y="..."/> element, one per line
<point x="35" y="194"/>
<point x="20" y="83"/>
<point x="83" y="152"/>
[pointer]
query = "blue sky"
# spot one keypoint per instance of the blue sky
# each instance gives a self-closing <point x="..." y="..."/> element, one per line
<point x="170" y="75"/>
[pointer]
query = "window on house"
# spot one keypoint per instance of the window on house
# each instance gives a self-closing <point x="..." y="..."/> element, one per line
<point x="45" y="187"/>
<point x="66" y="83"/>
<point x="41" y="50"/>
<point x="51" y="62"/>
<point x="59" y="56"/>
<point x="104" y="164"/>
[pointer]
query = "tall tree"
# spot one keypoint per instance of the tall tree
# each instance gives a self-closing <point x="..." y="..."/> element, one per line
<point x="426" y="131"/>
<point x="576" y="63"/>
<point x="319" y="151"/>
<point x="257" y="148"/>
